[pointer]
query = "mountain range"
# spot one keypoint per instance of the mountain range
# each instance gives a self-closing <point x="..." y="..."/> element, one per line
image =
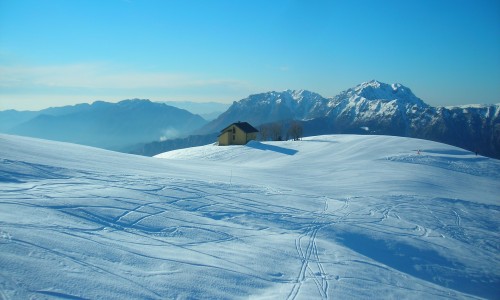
<point x="114" y="126"/>
<point x="271" y="107"/>
<point x="376" y="108"/>
<point x="369" y="108"/>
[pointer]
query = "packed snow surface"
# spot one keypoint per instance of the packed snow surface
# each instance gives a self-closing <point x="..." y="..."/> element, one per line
<point x="328" y="217"/>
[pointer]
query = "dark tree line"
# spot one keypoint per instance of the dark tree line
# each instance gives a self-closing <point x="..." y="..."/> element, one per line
<point x="279" y="131"/>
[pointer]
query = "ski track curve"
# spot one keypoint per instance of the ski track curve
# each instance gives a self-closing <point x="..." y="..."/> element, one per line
<point x="130" y="215"/>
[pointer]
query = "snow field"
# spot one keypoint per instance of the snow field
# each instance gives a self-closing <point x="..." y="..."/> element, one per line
<point x="327" y="217"/>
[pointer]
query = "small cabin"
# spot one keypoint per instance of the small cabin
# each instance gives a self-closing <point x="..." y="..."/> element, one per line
<point x="237" y="134"/>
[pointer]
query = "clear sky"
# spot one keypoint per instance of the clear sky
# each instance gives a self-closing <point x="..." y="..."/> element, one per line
<point x="58" y="52"/>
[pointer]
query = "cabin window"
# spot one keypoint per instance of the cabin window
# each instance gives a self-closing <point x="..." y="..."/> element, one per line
<point x="234" y="130"/>
<point x="234" y="137"/>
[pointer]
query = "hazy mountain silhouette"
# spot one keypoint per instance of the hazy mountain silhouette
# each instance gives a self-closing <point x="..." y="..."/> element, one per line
<point x="107" y="125"/>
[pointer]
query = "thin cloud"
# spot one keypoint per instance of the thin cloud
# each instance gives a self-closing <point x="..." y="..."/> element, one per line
<point x="284" y="68"/>
<point x="97" y="76"/>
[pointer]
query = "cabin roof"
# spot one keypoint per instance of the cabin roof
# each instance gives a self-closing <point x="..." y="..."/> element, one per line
<point x="246" y="127"/>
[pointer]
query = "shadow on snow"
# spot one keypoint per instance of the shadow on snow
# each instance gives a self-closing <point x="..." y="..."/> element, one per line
<point x="425" y="264"/>
<point x="267" y="147"/>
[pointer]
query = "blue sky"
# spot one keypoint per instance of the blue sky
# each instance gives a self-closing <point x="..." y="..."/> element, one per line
<point x="58" y="52"/>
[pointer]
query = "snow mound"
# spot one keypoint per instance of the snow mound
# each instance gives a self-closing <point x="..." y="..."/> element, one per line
<point x="327" y="217"/>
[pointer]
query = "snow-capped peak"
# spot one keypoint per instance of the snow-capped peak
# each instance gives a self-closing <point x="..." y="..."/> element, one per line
<point x="286" y="96"/>
<point x="376" y="90"/>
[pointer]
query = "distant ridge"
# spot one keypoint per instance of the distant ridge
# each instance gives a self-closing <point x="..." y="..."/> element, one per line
<point x="372" y="107"/>
<point x="113" y="126"/>
<point x="305" y="105"/>
<point x="271" y="107"/>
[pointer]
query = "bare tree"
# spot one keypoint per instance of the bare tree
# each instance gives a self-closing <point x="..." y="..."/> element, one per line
<point x="276" y="129"/>
<point x="265" y="132"/>
<point x="295" y="130"/>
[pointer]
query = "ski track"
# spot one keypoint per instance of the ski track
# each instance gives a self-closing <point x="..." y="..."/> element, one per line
<point x="311" y="269"/>
<point x="132" y="218"/>
<point x="310" y="258"/>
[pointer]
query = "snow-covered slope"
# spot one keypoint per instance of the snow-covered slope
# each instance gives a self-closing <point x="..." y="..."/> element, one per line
<point x="339" y="216"/>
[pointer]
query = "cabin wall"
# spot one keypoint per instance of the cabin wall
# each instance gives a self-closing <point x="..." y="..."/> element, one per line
<point x="252" y="136"/>
<point x="224" y="139"/>
<point x="239" y="137"/>
<point x="233" y="135"/>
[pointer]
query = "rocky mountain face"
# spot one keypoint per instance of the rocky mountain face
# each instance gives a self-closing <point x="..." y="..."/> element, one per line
<point x="113" y="126"/>
<point x="372" y="108"/>
<point x="363" y="103"/>
<point x="376" y="107"/>
<point x="476" y="128"/>
<point x="271" y="107"/>
<point x="379" y="108"/>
